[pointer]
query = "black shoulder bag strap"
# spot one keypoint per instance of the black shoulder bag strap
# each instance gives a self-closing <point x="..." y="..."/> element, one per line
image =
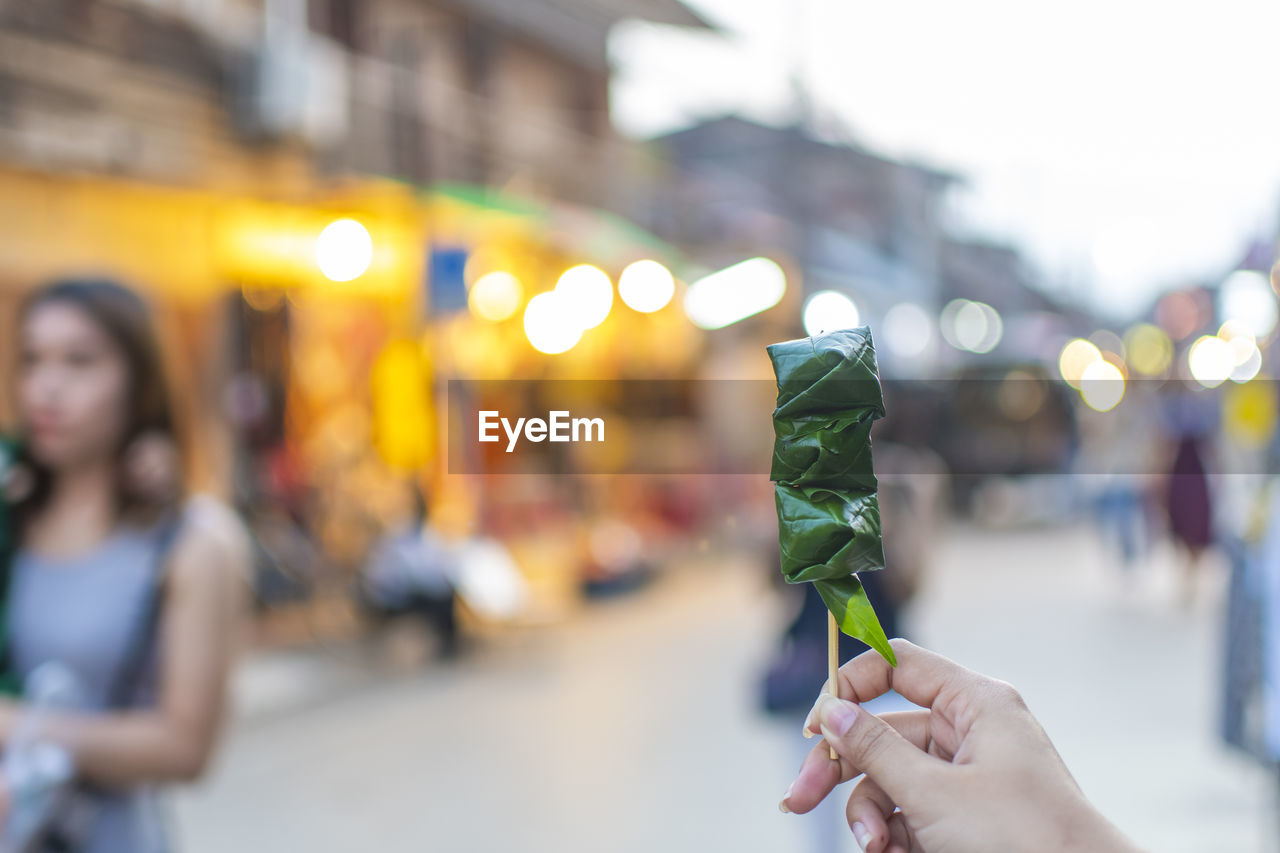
<point x="130" y="668"/>
<point x="128" y="671"/>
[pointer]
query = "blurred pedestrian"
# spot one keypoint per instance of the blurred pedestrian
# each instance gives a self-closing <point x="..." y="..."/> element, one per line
<point x="131" y="589"/>
<point x="410" y="572"/>
<point x="1187" y="497"/>
<point x="1118" y="461"/>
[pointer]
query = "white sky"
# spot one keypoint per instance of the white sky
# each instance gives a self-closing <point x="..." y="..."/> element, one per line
<point x="1127" y="145"/>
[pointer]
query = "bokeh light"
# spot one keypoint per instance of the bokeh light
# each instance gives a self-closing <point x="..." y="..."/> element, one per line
<point x="1248" y="362"/>
<point x="1211" y="361"/>
<point x="947" y="321"/>
<point x="495" y="296"/>
<point x="1021" y="394"/>
<point x="1108" y="341"/>
<point x="972" y="326"/>
<point x="735" y="293"/>
<point x="1249" y="414"/>
<point x="1077" y="355"/>
<point x="587" y="295"/>
<point x="1148" y="349"/>
<point x="646" y="286"/>
<point x="1246" y="300"/>
<point x="549" y="325"/>
<point x="1179" y="314"/>
<point x="829" y="311"/>
<point x="344" y="250"/>
<point x="1101" y="385"/>
<point x="908" y="329"/>
<point x="1246" y="357"/>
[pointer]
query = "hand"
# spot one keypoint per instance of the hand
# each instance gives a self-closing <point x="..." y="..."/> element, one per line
<point x="971" y="772"/>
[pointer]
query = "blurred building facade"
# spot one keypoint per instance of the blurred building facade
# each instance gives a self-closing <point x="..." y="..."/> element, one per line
<point x="872" y="227"/>
<point x="197" y="148"/>
<point x="221" y="91"/>
<point x="851" y="219"/>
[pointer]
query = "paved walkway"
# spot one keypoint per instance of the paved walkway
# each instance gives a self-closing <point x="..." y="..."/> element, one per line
<point x="633" y="728"/>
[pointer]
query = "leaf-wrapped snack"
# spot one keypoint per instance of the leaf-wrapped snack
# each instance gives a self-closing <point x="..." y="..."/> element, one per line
<point x="828" y="513"/>
<point x="827" y="534"/>
<point x="831" y="373"/>
<point x="824" y="448"/>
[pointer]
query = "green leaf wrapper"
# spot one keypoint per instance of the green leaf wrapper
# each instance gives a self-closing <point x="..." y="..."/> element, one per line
<point x="827" y="534"/>
<point x="829" y="517"/>
<point x="831" y="373"/>
<point x="824" y="448"/>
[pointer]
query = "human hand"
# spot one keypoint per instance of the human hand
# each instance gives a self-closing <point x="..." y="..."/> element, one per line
<point x="970" y="772"/>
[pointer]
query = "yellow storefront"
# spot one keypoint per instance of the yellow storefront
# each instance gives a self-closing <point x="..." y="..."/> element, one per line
<point x="305" y="353"/>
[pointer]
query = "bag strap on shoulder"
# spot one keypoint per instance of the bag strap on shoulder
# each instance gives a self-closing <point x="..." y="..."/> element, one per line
<point x="143" y="639"/>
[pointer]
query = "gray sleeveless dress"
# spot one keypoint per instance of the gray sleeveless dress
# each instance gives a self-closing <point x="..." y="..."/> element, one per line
<point x="84" y="612"/>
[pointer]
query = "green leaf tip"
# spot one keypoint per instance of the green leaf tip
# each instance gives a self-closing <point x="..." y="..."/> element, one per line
<point x="847" y="600"/>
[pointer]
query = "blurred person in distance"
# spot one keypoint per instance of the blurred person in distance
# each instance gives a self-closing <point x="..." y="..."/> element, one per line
<point x="1190" y="420"/>
<point x="117" y="576"/>
<point x="969" y="771"/>
<point x="411" y="571"/>
<point x="1118" y="458"/>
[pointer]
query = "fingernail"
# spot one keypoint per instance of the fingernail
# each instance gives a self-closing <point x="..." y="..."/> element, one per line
<point x="837" y="715"/>
<point x="782" y="804"/>
<point x="811" y="719"/>
<point x="862" y="835"/>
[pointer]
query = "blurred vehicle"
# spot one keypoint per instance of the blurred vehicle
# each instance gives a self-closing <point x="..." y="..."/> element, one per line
<point x="992" y="421"/>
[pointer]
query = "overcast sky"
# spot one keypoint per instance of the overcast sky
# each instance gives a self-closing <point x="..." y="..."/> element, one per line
<point x="1127" y="145"/>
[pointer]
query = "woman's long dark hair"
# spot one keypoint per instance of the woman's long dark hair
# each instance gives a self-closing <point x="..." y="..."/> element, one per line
<point x="127" y="321"/>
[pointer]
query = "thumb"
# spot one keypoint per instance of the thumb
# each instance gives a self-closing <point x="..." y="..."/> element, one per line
<point x="867" y="744"/>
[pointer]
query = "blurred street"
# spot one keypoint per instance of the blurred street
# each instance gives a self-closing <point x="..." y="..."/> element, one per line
<point x="313" y="315"/>
<point x="633" y="727"/>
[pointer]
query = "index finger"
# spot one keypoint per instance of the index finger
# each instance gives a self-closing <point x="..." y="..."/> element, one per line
<point x="920" y="676"/>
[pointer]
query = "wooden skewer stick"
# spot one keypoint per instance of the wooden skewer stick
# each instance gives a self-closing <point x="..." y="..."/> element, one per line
<point x="833" y="661"/>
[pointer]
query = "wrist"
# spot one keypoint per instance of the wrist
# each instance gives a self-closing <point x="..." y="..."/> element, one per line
<point x="1086" y="830"/>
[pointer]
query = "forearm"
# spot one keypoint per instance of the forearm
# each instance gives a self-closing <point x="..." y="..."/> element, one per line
<point x="129" y="748"/>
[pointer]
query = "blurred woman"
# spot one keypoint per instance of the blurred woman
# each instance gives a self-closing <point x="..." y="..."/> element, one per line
<point x="1188" y="498"/>
<point x="134" y="590"/>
